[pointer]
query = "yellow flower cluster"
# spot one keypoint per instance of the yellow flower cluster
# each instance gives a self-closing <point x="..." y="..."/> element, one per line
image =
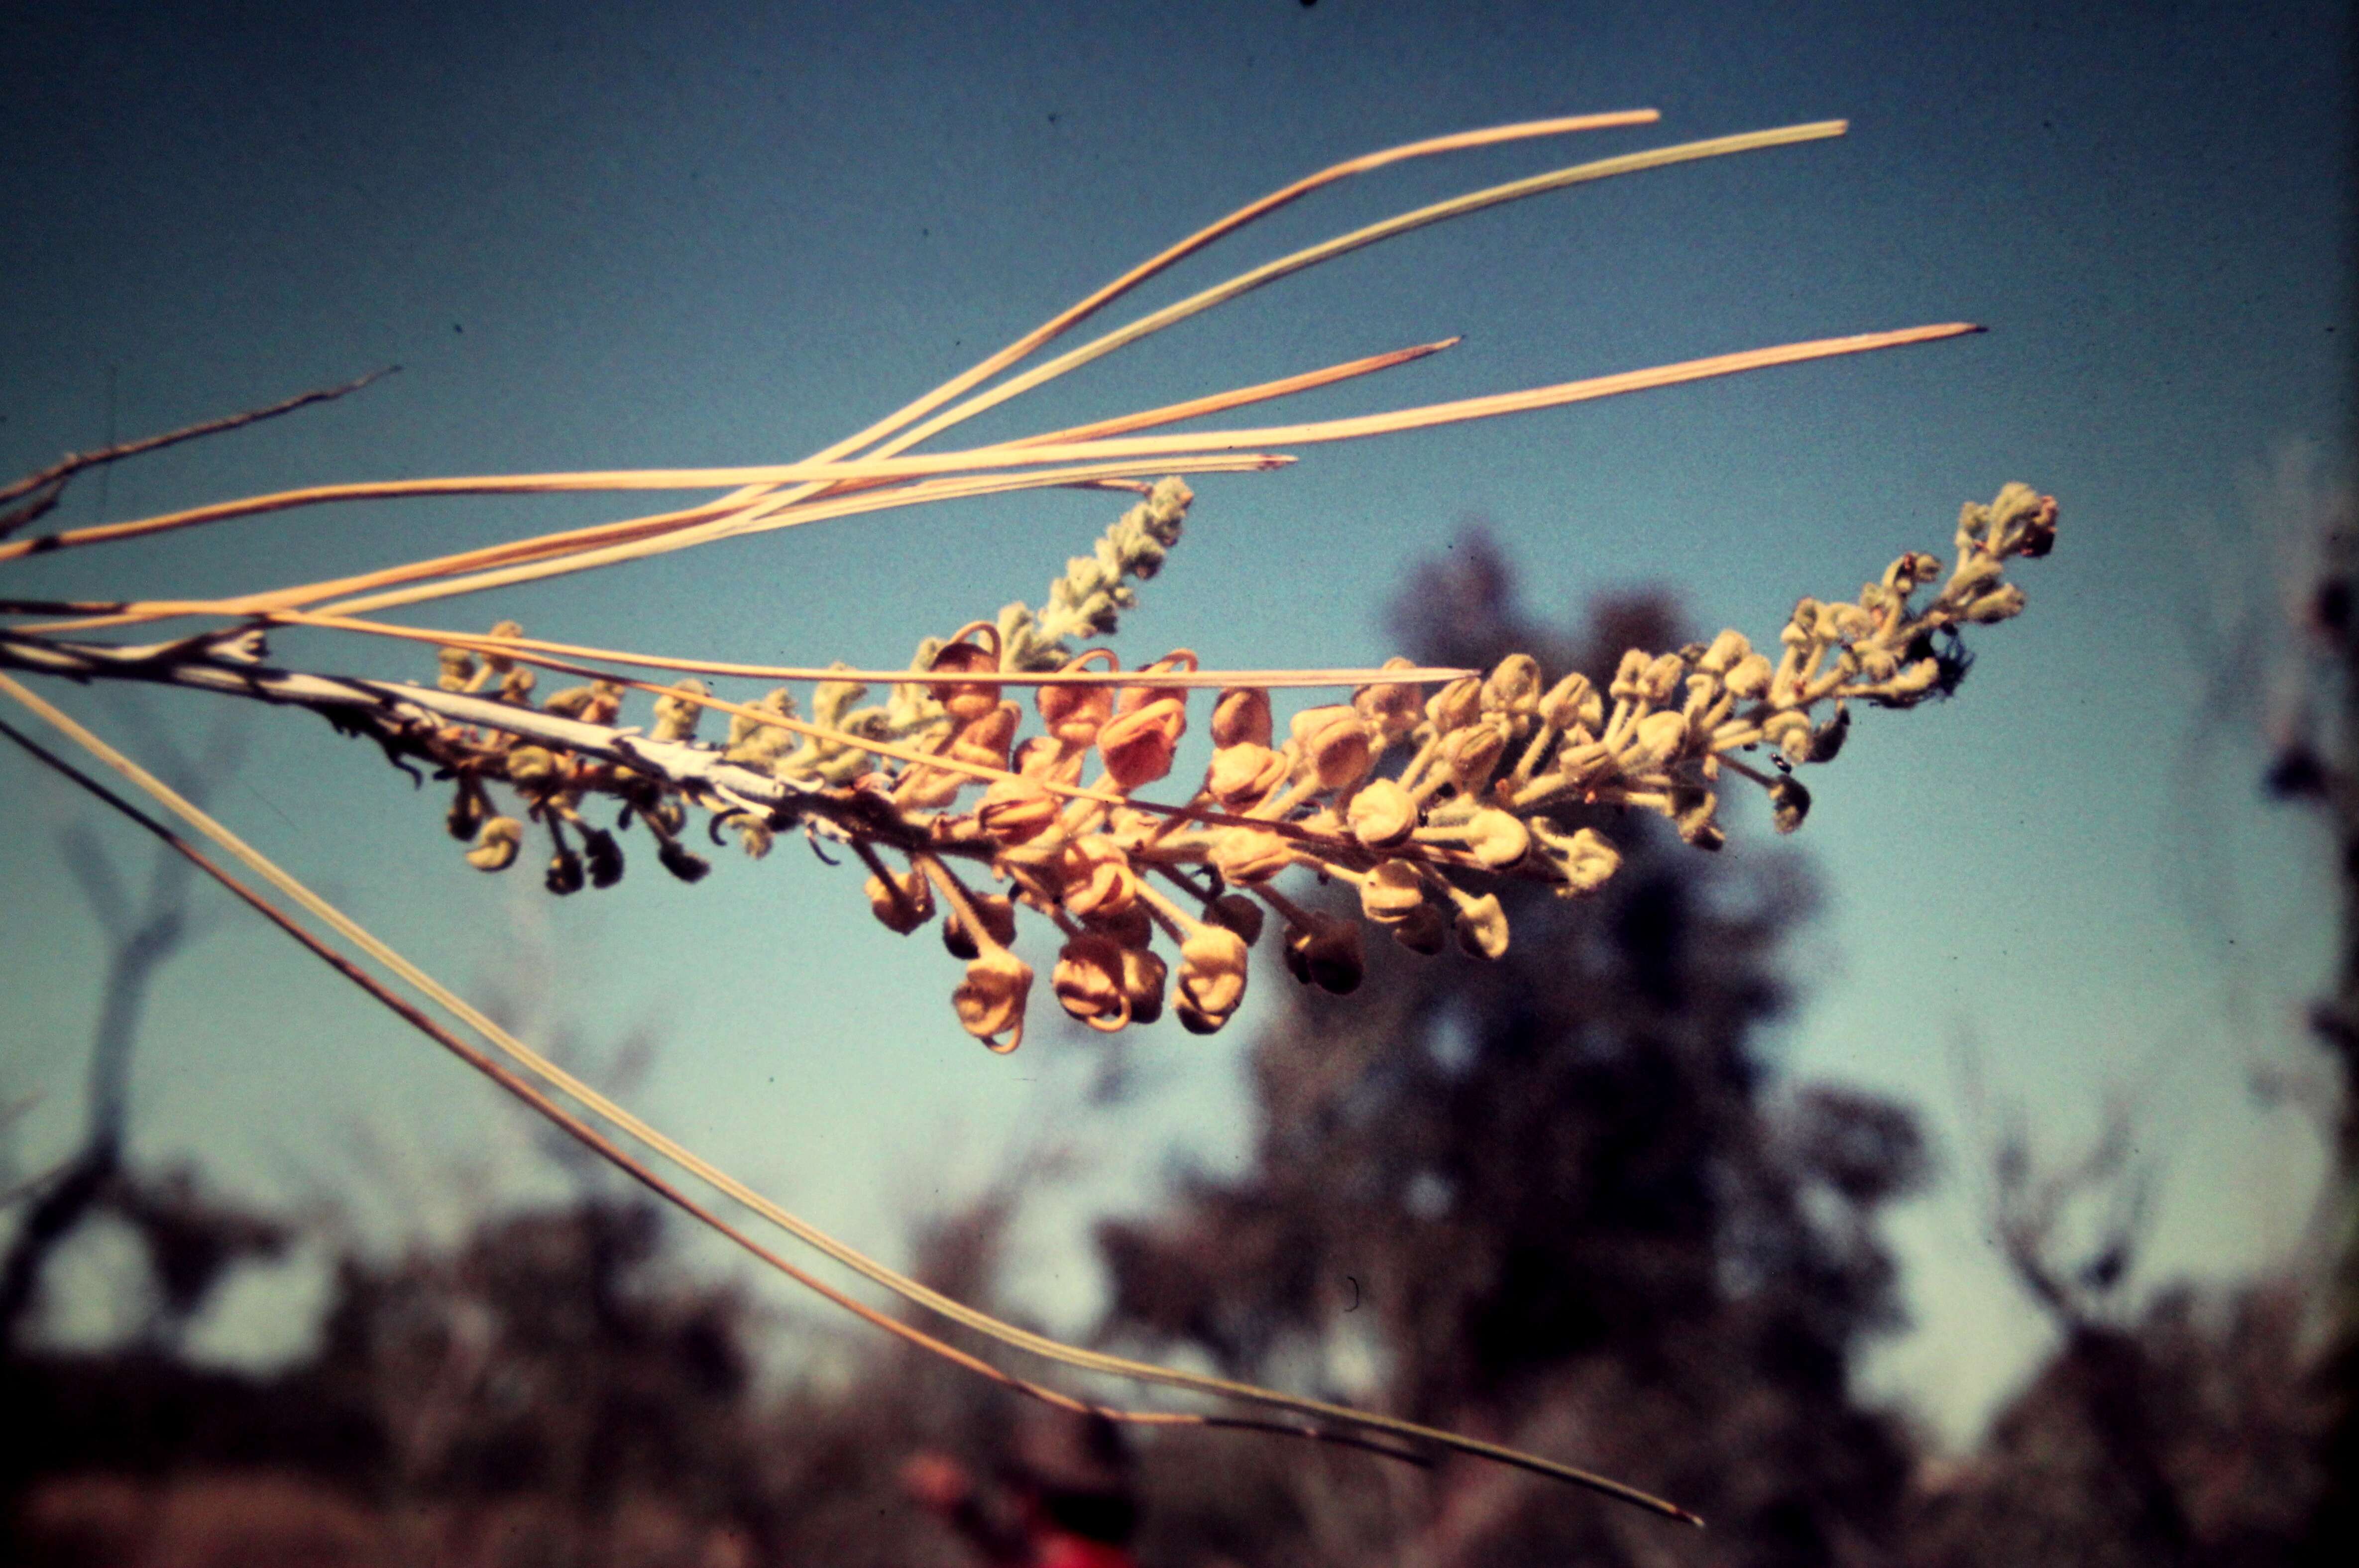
<point x="1420" y="800"/>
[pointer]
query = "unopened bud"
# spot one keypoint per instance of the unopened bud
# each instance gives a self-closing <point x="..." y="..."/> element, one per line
<point x="1249" y="855"/>
<point x="1827" y="740"/>
<point x="1235" y="913"/>
<point x="457" y="669"/>
<point x="1382" y="815"/>
<point x="532" y="769"/>
<point x="1656" y="740"/>
<point x="1456" y="706"/>
<point x="1136" y="746"/>
<point x="465" y="818"/>
<point x="1469" y="754"/>
<point x="676" y="716"/>
<point x="1097" y="877"/>
<point x="1749" y="677"/>
<point x="1327" y="955"/>
<point x="1211" y="978"/>
<point x="1727" y="650"/>
<point x="985" y="739"/>
<point x="1241" y="717"/>
<point x="603" y="858"/>
<point x="1513" y="688"/>
<point x="997" y="914"/>
<point x="1588" y="861"/>
<point x="2002" y="603"/>
<point x="1496" y="839"/>
<point x="1245" y="774"/>
<point x="992" y="998"/>
<point x="564" y="874"/>
<point x="681" y="863"/>
<point x="1015" y="811"/>
<point x="1662" y="677"/>
<point x="1423" y="930"/>
<point x="1393" y="708"/>
<point x="903" y="903"/>
<point x="1333" y="744"/>
<point x="1692" y="813"/>
<point x="1073" y="715"/>
<point x="1143" y="975"/>
<point x="1789" y="802"/>
<point x="1573" y="703"/>
<point x="1391" y="892"/>
<point x="965" y="701"/>
<point x="1088" y="983"/>
<point x="496" y="846"/>
<point x="1481" y="927"/>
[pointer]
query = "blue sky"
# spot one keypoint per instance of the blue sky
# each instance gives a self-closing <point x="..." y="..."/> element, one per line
<point x="614" y="236"/>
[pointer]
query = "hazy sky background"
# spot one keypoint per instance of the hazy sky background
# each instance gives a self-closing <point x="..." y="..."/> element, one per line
<point x="603" y="236"/>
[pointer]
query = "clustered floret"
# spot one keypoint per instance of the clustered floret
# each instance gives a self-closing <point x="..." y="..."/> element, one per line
<point x="1420" y="800"/>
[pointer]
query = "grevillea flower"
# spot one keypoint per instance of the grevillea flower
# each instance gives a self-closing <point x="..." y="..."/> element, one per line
<point x="1096" y="875"/>
<point x="1212" y="977"/>
<point x="1381" y="814"/>
<point x="1333" y="745"/>
<point x="992" y="998"/>
<point x="1137" y="747"/>
<point x="1088" y="980"/>
<point x="1244" y="775"/>
<point x="1242" y="717"/>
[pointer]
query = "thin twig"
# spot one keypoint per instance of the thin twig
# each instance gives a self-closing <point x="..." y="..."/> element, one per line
<point x="47" y="486"/>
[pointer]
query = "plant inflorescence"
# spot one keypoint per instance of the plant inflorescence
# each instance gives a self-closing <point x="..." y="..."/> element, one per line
<point x="1420" y="788"/>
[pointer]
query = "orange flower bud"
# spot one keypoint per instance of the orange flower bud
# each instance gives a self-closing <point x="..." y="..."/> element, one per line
<point x="1015" y="811"/>
<point x="1088" y="983"/>
<point x="1211" y="978"/>
<point x="1097" y="877"/>
<point x="1241" y="717"/>
<point x="1072" y="713"/>
<point x="1333" y="743"/>
<point x="1245" y="774"/>
<point x="1134" y="697"/>
<point x="903" y="904"/>
<point x="993" y="996"/>
<point x="1136" y="746"/>
<point x="997" y="912"/>
<point x="1048" y="760"/>
<point x="985" y="739"/>
<point x="1142" y="984"/>
<point x="966" y="701"/>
